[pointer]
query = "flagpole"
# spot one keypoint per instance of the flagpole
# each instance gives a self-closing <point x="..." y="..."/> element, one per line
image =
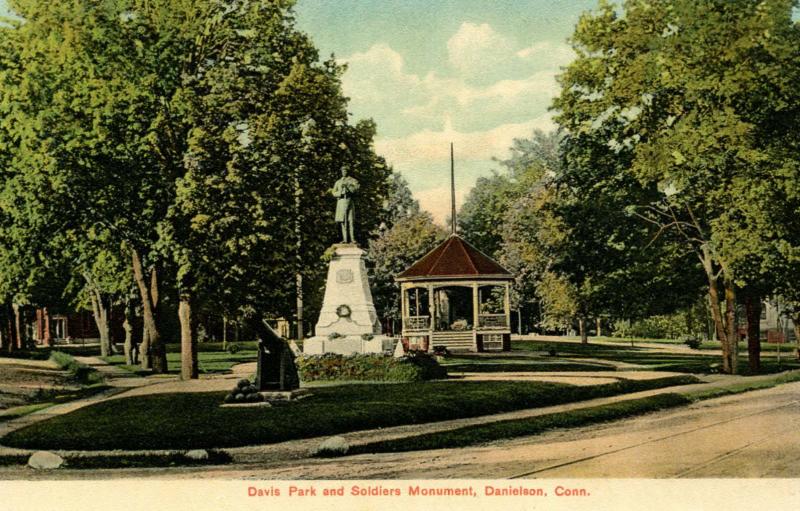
<point x="452" y="192"/>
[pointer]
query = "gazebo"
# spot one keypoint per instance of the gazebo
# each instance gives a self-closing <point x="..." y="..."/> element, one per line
<point x="456" y="297"/>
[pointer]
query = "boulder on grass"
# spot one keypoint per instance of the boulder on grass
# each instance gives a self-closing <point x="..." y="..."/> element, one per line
<point x="197" y="454"/>
<point x="45" y="460"/>
<point x="333" y="446"/>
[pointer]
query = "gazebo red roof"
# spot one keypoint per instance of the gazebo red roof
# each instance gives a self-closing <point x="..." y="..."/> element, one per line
<point x="455" y="258"/>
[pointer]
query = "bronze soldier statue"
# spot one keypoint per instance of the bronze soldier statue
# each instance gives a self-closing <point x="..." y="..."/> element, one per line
<point x="344" y="190"/>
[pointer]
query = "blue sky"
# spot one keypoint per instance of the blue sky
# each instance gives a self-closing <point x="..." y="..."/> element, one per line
<point x="478" y="73"/>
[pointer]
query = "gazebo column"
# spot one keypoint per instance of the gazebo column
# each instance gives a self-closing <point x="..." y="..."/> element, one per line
<point x="475" y="314"/>
<point x="507" y="306"/>
<point x="403" y="306"/>
<point x="432" y="314"/>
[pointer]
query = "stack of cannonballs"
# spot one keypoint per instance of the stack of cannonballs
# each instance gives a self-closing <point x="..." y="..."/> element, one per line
<point x="244" y="392"/>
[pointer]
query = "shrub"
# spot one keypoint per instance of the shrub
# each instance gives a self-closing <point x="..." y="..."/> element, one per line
<point x="692" y="342"/>
<point x="233" y="348"/>
<point x="78" y="372"/>
<point x="440" y="351"/>
<point x="377" y="367"/>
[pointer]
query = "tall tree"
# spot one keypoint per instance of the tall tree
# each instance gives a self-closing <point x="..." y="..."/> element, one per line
<point x="393" y="251"/>
<point x="267" y="136"/>
<point x="671" y="93"/>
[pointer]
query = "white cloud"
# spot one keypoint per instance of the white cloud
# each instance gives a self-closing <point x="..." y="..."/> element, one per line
<point x="535" y="90"/>
<point x="429" y="146"/>
<point x="375" y="73"/>
<point x="493" y="91"/>
<point x="547" y="53"/>
<point x="474" y="45"/>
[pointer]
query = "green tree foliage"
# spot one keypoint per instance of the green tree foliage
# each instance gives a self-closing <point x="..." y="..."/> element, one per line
<point x="400" y="203"/>
<point x="483" y="211"/>
<point x="201" y="136"/>
<point x="673" y="98"/>
<point x="393" y="251"/>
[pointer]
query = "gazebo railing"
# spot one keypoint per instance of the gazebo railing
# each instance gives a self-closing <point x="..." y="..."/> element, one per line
<point x="489" y="321"/>
<point x="417" y="323"/>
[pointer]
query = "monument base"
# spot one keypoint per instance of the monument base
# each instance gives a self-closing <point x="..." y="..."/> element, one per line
<point x="348" y="322"/>
<point x="347" y="345"/>
<point x="347" y="308"/>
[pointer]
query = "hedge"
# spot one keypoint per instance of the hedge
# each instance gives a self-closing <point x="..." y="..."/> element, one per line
<point x="369" y="367"/>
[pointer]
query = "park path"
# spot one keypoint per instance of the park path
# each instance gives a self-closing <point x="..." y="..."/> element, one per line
<point x="118" y="380"/>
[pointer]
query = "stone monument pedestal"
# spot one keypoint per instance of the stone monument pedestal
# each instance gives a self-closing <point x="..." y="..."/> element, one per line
<point x="348" y="322"/>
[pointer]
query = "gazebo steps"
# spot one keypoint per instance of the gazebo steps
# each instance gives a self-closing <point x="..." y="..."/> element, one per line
<point x="453" y="340"/>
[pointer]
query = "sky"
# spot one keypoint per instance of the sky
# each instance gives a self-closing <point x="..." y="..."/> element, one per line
<point x="477" y="73"/>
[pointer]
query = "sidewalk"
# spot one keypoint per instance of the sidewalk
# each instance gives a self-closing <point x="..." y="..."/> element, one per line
<point x="119" y="381"/>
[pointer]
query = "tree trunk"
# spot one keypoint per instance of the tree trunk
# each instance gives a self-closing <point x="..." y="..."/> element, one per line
<point x="752" y="304"/>
<point x="716" y="312"/>
<point x="582" y="329"/>
<point x="100" y="313"/>
<point x="47" y="337"/>
<point x="4" y="338"/>
<point x="188" y="341"/>
<point x="144" y="349"/>
<point x="18" y="334"/>
<point x="599" y="323"/>
<point x="299" y="291"/>
<point x="730" y="349"/>
<point x="713" y="297"/>
<point x="154" y="350"/>
<point x="127" y="325"/>
<point x="796" y="322"/>
<point x="224" y="333"/>
<point x="28" y="318"/>
<point x="9" y="328"/>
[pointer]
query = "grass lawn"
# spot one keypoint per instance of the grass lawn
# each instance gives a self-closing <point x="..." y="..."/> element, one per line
<point x="208" y="361"/>
<point x="694" y="362"/>
<point x="184" y="421"/>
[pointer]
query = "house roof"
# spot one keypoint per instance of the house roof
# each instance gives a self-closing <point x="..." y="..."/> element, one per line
<point x="454" y="258"/>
